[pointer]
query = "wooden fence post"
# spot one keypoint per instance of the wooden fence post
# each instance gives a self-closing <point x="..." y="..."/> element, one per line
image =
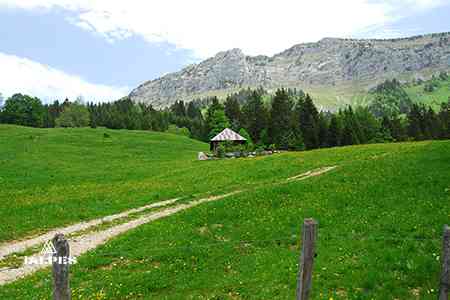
<point x="61" y="288"/>
<point x="306" y="259"/>
<point x="445" y="271"/>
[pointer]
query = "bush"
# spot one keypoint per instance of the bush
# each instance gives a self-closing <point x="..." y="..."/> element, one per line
<point x="259" y="149"/>
<point x="220" y="151"/>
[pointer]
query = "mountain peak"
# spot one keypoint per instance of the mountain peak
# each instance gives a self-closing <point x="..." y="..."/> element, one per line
<point x="329" y="63"/>
<point x="235" y="52"/>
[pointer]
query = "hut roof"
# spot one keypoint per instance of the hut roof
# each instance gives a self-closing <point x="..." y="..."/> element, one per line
<point x="228" y="135"/>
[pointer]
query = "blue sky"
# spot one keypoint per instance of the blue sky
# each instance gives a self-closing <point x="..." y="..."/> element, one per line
<point x="100" y="50"/>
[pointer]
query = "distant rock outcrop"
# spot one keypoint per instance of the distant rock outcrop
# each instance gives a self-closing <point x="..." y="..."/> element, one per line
<point x="329" y="62"/>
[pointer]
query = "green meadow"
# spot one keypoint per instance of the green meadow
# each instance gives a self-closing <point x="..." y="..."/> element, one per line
<point x="434" y="99"/>
<point x="380" y="213"/>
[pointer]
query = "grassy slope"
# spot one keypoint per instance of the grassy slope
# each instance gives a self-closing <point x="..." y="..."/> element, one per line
<point x="381" y="214"/>
<point x="435" y="98"/>
<point x="347" y="95"/>
<point x="333" y="98"/>
<point x="356" y="92"/>
<point x="53" y="177"/>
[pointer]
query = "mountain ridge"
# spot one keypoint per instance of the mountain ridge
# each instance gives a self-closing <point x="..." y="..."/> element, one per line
<point x="330" y="63"/>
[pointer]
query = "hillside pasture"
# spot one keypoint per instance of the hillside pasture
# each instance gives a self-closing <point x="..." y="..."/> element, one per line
<point x="380" y="214"/>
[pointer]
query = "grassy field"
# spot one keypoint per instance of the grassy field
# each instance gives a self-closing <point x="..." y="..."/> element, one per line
<point x="433" y="99"/>
<point x="380" y="213"/>
<point x="55" y="177"/>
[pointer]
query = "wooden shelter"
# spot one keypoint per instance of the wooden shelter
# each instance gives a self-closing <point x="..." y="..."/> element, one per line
<point x="227" y="135"/>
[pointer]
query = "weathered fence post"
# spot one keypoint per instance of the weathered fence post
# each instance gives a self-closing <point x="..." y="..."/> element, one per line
<point x="61" y="288"/>
<point x="445" y="259"/>
<point x="306" y="259"/>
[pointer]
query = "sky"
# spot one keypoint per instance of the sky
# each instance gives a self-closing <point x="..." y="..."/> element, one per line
<point x="102" y="49"/>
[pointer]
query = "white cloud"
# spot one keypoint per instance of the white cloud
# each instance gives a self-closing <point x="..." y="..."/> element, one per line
<point x="207" y="27"/>
<point x="21" y="75"/>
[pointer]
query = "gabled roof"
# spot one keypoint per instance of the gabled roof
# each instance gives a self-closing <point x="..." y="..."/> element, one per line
<point x="228" y="135"/>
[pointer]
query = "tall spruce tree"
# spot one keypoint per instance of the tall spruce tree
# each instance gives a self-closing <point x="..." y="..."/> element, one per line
<point x="335" y="131"/>
<point x="415" y="123"/>
<point x="255" y="116"/>
<point x="322" y="125"/>
<point x="233" y="112"/>
<point x="369" y="126"/>
<point x="309" y="117"/>
<point x="351" y="130"/>
<point x="280" y="119"/>
<point x="193" y="111"/>
<point x="178" y="109"/>
<point x="433" y="126"/>
<point x="444" y="116"/>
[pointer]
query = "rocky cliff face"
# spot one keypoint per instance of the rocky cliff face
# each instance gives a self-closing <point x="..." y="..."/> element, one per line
<point x="329" y="62"/>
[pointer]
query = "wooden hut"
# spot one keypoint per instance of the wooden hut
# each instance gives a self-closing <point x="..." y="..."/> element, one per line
<point x="227" y="135"/>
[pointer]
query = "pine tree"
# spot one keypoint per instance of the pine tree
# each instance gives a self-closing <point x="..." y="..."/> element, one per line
<point x="444" y="116"/>
<point x="178" y="109"/>
<point x="351" y="130"/>
<point x="233" y="112"/>
<point x="193" y="111"/>
<point x="322" y="125"/>
<point x="334" y="131"/>
<point x="254" y="116"/>
<point x="280" y="117"/>
<point x="432" y="124"/>
<point x="396" y="128"/>
<point x="295" y="141"/>
<point x="414" y="123"/>
<point x="369" y="126"/>
<point x="308" y="114"/>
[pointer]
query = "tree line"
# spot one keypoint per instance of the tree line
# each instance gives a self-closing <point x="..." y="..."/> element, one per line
<point x="287" y="120"/>
<point x="290" y="120"/>
<point x="122" y="114"/>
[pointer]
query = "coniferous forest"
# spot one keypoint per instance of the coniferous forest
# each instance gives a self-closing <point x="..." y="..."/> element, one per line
<point x="285" y="120"/>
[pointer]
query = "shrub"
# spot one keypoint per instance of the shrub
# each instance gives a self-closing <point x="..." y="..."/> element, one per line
<point x="221" y="151"/>
<point x="259" y="149"/>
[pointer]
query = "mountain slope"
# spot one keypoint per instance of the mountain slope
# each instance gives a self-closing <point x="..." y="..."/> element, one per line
<point x="335" y="70"/>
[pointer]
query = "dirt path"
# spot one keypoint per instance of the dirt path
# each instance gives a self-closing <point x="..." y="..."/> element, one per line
<point x="312" y="173"/>
<point x="81" y="244"/>
<point x="89" y="241"/>
<point x="20" y="246"/>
